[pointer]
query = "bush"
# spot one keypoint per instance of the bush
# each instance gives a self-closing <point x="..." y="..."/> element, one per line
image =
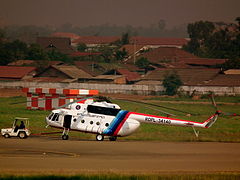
<point x="171" y="83"/>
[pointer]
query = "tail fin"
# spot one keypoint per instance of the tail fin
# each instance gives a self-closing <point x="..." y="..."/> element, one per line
<point x="211" y="120"/>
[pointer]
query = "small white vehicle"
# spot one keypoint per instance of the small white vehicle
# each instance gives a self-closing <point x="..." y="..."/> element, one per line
<point x="19" y="129"/>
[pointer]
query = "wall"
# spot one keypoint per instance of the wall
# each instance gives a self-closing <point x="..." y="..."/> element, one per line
<point x="123" y="89"/>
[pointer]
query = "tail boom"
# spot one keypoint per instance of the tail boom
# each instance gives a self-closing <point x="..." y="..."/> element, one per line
<point x="144" y="118"/>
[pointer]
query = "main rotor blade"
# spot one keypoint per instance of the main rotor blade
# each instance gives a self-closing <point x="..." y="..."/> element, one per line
<point x="177" y="110"/>
<point x="74" y="102"/>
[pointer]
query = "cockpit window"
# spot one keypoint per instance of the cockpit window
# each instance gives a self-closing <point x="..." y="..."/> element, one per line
<point x="55" y="117"/>
<point x="103" y="110"/>
<point x="50" y="116"/>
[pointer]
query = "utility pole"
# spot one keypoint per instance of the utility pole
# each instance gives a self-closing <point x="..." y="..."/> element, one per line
<point x="134" y="49"/>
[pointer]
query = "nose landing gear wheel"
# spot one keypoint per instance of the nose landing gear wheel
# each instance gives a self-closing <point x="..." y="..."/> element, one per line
<point x="65" y="137"/>
<point x="99" y="137"/>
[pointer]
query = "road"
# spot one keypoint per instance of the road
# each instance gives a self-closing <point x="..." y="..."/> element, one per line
<point x="52" y="155"/>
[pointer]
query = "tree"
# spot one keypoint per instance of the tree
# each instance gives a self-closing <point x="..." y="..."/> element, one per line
<point x="199" y="32"/>
<point x="56" y="55"/>
<point x="2" y="35"/>
<point x="107" y="53"/>
<point x="171" y="83"/>
<point x="81" y="47"/>
<point x="238" y="20"/>
<point x="143" y="63"/>
<point x="231" y="64"/>
<point x="11" y="51"/>
<point x="214" y="40"/>
<point x="35" y="52"/>
<point x="125" y="39"/>
<point x="161" y="24"/>
<point x="121" y="54"/>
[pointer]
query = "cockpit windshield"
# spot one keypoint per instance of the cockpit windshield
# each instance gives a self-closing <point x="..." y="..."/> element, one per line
<point x="50" y="116"/>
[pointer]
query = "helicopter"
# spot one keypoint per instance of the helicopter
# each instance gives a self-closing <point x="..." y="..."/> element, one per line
<point x="106" y="119"/>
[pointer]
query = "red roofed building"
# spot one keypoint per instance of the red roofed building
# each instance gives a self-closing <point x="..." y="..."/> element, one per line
<point x="90" y="67"/>
<point x="94" y="41"/>
<point x="225" y="80"/>
<point x="16" y="72"/>
<point x="72" y="36"/>
<point x="159" y="42"/>
<point x="81" y="54"/>
<point x="202" y="61"/>
<point x="60" y="44"/>
<point x="164" y="54"/>
<point x="131" y="77"/>
<point x="188" y="76"/>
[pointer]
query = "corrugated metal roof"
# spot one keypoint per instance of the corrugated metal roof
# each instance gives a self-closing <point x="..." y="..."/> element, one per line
<point x="164" y="54"/>
<point x="97" y="39"/>
<point x="75" y="54"/>
<point x="130" y="76"/>
<point x="159" y="41"/>
<point x="72" y="71"/>
<point x="65" y="34"/>
<point x="202" y="61"/>
<point x="62" y="44"/>
<point x="232" y="71"/>
<point x="188" y="76"/>
<point x="90" y="67"/>
<point x="225" y="80"/>
<point x="16" y="72"/>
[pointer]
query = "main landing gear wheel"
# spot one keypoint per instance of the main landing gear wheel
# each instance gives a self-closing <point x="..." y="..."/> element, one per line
<point x="113" y="138"/>
<point x="65" y="137"/>
<point x="99" y="137"/>
<point x="22" y="135"/>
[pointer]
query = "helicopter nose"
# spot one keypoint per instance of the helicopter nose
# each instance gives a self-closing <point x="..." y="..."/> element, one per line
<point x="47" y="120"/>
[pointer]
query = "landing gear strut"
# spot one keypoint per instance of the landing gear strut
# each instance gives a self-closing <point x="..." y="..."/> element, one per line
<point x="65" y="134"/>
<point x="112" y="138"/>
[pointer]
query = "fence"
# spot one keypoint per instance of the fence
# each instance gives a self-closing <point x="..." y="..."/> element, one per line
<point x="124" y="89"/>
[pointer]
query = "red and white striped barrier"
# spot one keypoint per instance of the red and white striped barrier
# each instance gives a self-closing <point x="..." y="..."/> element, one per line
<point x="51" y="98"/>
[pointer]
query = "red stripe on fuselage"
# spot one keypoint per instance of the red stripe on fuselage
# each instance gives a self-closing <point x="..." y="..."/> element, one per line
<point x="168" y="117"/>
<point x="121" y="124"/>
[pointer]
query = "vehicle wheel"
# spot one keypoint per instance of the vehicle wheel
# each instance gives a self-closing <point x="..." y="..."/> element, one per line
<point x="6" y="135"/>
<point x="65" y="137"/>
<point x="99" y="137"/>
<point x="113" y="138"/>
<point x="22" y="135"/>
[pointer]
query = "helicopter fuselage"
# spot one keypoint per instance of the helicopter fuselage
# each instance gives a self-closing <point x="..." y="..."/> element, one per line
<point x="99" y="118"/>
<point x="107" y="119"/>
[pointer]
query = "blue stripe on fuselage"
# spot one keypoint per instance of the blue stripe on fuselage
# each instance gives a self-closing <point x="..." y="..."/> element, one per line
<point x="115" y="123"/>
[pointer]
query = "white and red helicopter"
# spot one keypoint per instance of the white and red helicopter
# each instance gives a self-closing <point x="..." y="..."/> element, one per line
<point x="108" y="119"/>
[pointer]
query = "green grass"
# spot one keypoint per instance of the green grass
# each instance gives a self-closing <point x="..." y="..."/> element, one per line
<point x="222" y="176"/>
<point x="226" y="129"/>
<point x="205" y="98"/>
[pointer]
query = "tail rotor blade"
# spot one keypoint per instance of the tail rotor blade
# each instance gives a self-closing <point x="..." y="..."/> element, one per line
<point x="213" y="101"/>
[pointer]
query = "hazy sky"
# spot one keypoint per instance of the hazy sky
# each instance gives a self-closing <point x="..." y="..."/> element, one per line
<point x="119" y="12"/>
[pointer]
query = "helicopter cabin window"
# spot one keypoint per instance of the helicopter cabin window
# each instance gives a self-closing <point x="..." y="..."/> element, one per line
<point x="55" y="117"/>
<point x="103" y="110"/>
<point x="50" y="116"/>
